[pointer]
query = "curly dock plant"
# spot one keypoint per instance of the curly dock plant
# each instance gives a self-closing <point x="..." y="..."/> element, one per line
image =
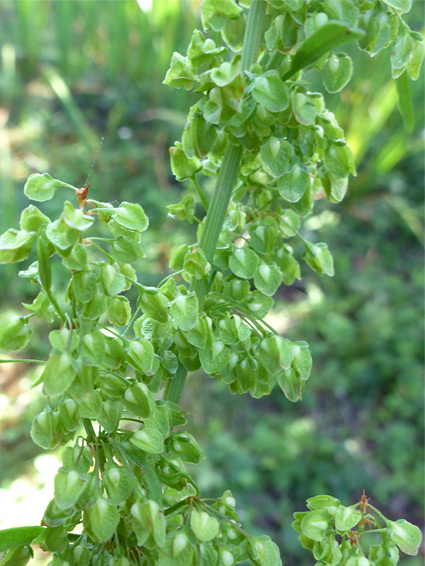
<point x="116" y="371"/>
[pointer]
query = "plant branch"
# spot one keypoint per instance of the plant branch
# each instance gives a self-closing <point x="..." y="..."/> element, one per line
<point x="226" y="180"/>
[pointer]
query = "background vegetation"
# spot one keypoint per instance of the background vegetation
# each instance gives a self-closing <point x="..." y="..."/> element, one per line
<point x="81" y="97"/>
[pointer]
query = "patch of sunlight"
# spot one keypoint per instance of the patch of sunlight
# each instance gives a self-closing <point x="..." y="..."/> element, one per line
<point x="28" y="496"/>
<point x="145" y="5"/>
<point x="301" y="427"/>
<point x="315" y="294"/>
<point x="279" y="321"/>
<point x="353" y="446"/>
<point x="295" y="433"/>
<point x="326" y="218"/>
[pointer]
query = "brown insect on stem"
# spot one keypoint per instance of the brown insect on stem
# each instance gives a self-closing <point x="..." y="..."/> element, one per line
<point x="82" y="195"/>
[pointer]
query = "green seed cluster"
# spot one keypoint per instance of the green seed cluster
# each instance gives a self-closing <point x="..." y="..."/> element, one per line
<point x="334" y="533"/>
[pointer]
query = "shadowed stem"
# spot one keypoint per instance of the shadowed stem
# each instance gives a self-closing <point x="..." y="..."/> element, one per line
<point x="226" y="180"/>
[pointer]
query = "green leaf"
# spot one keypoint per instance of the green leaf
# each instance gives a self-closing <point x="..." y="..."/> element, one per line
<point x="131" y="216"/>
<point x="76" y="260"/>
<point x="15" y="245"/>
<point x="334" y="187"/>
<point x="180" y="73"/>
<point x="61" y="235"/>
<point x="263" y="239"/>
<point x="177" y="551"/>
<point x="141" y="355"/>
<point x="32" y="218"/>
<point x="258" y="304"/>
<point x="304" y="109"/>
<point x="42" y="307"/>
<point x="292" y="385"/>
<point x="414" y="65"/>
<point x="196" y="264"/>
<point x="346" y="518"/>
<point x="275" y="354"/>
<point x="268" y="278"/>
<point x="68" y="415"/>
<point x="103" y="519"/>
<point x="327" y="502"/>
<point x="149" y="439"/>
<point x="209" y="555"/>
<point x="153" y="303"/>
<point x="264" y="551"/>
<point x="404" y="101"/>
<point x="93" y="348"/>
<point x="232" y="329"/>
<point x="290" y="223"/>
<point x="42" y="430"/>
<point x="58" y="374"/>
<point x="84" y="285"/>
<point x="119" y="311"/>
<point x="152" y="484"/>
<point x="69" y="485"/>
<point x="17" y="556"/>
<point x="270" y="91"/>
<point x="185" y="447"/>
<point x="216" y="13"/>
<point x="294" y="184"/>
<point x="339" y="159"/>
<point x="139" y="400"/>
<point x="203" y="525"/>
<point x="182" y="166"/>
<point x="75" y="218"/>
<point x="124" y="250"/>
<point x="345" y="12"/>
<point x="184" y="210"/>
<point x="244" y="263"/>
<point x="400" y="5"/>
<point x="14" y="334"/>
<point x="44" y="267"/>
<point x="215" y="358"/>
<point x="336" y="72"/>
<point x="275" y="156"/>
<point x="326" y="38"/>
<point x="113" y="280"/>
<point x="177" y="257"/>
<point x="358" y="561"/>
<point x="201" y="335"/>
<point x="149" y="525"/>
<point x="224" y="74"/>
<point x="319" y="258"/>
<point x="184" y="310"/>
<point x="41" y="187"/>
<point x="302" y="361"/>
<point x="315" y="524"/>
<point x="406" y="536"/>
<point x="110" y="414"/>
<point x="201" y="49"/>
<point x="119" y="483"/>
<point x="91" y="405"/>
<point x="402" y="51"/>
<point x="213" y="106"/>
<point x="289" y="267"/>
<point x="18" y="536"/>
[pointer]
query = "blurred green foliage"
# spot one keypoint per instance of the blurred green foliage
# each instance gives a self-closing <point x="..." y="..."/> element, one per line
<point x="81" y="96"/>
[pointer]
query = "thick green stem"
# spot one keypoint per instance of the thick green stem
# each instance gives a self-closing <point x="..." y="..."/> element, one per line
<point x="175" y="386"/>
<point x="252" y="38"/>
<point x="91" y="435"/>
<point x="226" y="181"/>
